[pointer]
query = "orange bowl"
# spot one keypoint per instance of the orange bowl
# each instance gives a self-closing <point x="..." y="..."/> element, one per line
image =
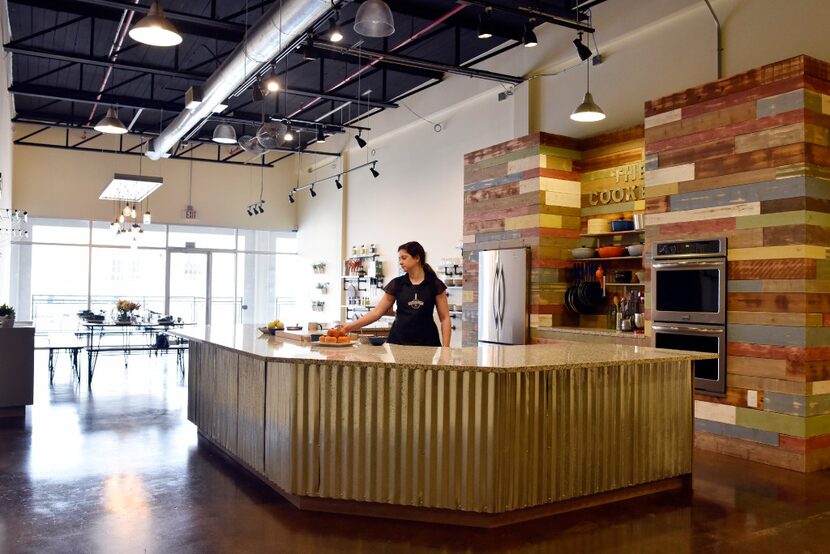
<point x="612" y="251"/>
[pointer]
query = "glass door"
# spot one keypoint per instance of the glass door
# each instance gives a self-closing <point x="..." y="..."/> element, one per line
<point x="187" y="286"/>
<point x="222" y="304"/>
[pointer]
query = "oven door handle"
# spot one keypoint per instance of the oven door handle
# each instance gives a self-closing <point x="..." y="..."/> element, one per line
<point x="687" y="329"/>
<point x="686" y="263"/>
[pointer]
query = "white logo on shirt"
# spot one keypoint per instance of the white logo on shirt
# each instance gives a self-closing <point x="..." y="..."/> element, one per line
<point x="415" y="304"/>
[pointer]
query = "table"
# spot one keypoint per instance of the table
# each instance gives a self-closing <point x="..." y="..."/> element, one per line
<point x="96" y="332"/>
<point x="72" y="343"/>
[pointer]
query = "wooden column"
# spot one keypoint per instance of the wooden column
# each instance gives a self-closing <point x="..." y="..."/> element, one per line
<point x="523" y="193"/>
<point x="747" y="158"/>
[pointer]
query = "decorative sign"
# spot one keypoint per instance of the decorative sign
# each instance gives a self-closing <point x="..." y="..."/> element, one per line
<point x="629" y="179"/>
<point x="190" y="213"/>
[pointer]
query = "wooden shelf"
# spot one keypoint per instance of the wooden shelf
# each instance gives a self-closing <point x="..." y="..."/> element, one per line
<point x="625" y="284"/>
<point x="605" y="259"/>
<point x="612" y="233"/>
<point x="363" y="256"/>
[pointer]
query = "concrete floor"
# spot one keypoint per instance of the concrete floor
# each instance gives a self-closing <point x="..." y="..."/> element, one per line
<point x="119" y="469"/>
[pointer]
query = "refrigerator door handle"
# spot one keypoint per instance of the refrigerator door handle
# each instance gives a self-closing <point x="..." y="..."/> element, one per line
<point x="502" y="296"/>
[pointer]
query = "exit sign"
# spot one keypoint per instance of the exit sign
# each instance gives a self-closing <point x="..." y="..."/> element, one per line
<point x="189" y="213"/>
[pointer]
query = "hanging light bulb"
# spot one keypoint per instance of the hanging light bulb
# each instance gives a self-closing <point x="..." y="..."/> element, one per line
<point x="121" y="219"/>
<point x="588" y="111"/>
<point x="126" y="210"/>
<point x="289" y="135"/>
<point x="271" y="83"/>
<point x="484" y="26"/>
<point x="155" y="30"/>
<point x="374" y="19"/>
<point x="529" y="39"/>
<point x="224" y="134"/>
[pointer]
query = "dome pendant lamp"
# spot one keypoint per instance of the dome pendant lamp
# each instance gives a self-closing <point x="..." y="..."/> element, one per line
<point x="588" y="111"/>
<point x="155" y="30"/>
<point x="374" y="19"/>
<point x="110" y="124"/>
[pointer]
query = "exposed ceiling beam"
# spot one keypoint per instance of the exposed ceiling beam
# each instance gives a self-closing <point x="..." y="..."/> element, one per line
<point x="112" y="10"/>
<point x="415" y="62"/>
<point x="517" y="8"/>
<point x="104" y="62"/>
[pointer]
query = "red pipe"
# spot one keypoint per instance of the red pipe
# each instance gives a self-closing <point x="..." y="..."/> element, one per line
<point x="371" y="64"/>
<point x="120" y="35"/>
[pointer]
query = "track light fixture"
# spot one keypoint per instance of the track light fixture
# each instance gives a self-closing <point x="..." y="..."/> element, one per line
<point x="321" y="136"/>
<point x="360" y="141"/>
<point x="311" y="191"/>
<point x="583" y="51"/>
<point x="256" y="208"/>
<point x="334" y="34"/>
<point x="291" y="197"/>
<point x="257" y="93"/>
<point x="289" y="134"/>
<point x="272" y="84"/>
<point x="337" y="182"/>
<point x="485" y="28"/>
<point x="529" y="37"/>
<point x="375" y="172"/>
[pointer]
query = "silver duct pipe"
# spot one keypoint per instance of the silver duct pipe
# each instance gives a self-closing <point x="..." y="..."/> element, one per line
<point x="265" y="41"/>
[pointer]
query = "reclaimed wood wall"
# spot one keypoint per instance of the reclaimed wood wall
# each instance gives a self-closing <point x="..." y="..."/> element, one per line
<point x="748" y="158"/>
<point x="523" y="193"/>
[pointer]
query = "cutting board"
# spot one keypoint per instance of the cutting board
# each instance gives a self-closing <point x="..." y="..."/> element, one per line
<point x="306" y="336"/>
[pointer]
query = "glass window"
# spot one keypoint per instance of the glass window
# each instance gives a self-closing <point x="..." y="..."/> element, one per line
<point x="136" y="275"/>
<point x="59" y="285"/>
<point x="291" y="285"/>
<point x="255" y="286"/>
<point x="204" y="237"/>
<point x="154" y="236"/>
<point x="287" y="245"/>
<point x="64" y="231"/>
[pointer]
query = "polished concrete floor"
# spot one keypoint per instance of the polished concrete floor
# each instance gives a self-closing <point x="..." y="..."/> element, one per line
<point x="119" y="469"/>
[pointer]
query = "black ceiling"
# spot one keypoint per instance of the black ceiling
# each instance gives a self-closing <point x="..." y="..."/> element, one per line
<point x="65" y="53"/>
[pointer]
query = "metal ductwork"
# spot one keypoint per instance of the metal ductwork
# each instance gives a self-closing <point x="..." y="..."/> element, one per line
<point x="274" y="32"/>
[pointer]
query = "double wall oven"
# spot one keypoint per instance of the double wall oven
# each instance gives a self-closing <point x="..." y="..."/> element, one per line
<point x="689" y="311"/>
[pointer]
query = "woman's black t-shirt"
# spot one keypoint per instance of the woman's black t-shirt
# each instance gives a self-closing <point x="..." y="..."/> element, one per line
<point x="414" y="306"/>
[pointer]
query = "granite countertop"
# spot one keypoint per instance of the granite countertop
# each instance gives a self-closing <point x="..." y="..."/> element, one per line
<point x="246" y="339"/>
<point x="595" y="331"/>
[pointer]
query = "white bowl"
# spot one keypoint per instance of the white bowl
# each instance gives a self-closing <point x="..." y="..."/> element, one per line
<point x="583" y="252"/>
<point x="635" y="250"/>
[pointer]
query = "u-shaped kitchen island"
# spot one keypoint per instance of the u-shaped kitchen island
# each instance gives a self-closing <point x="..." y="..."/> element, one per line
<point x="482" y="436"/>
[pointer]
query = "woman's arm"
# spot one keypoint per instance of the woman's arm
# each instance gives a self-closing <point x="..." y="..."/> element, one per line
<point x="383" y="306"/>
<point x="444" y="317"/>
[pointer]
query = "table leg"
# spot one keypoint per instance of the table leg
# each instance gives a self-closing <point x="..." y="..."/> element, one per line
<point x="51" y="365"/>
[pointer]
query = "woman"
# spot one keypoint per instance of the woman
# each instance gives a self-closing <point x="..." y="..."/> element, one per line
<point x="416" y="294"/>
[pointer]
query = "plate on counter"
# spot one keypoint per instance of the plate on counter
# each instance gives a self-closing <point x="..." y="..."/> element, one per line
<point x="335" y="344"/>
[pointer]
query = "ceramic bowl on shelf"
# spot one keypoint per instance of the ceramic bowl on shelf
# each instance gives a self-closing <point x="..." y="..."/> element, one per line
<point x="611" y="251"/>
<point x="580" y="253"/>
<point x="635" y="249"/>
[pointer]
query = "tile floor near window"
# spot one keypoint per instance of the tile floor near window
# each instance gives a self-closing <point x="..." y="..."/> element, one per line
<point x="119" y="469"/>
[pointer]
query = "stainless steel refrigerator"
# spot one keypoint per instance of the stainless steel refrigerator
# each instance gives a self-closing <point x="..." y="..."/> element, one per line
<point x="502" y="296"/>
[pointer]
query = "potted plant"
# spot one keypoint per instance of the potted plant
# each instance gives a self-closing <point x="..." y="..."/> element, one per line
<point x="6" y="316"/>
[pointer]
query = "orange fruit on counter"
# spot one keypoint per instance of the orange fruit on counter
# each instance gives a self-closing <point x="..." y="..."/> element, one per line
<point x="343" y="340"/>
<point x="331" y="333"/>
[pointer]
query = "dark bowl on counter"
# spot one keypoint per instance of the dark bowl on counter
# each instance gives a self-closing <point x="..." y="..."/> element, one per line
<point x="377" y="341"/>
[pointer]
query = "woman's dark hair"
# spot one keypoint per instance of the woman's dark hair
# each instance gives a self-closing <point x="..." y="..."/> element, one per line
<point x="414" y="249"/>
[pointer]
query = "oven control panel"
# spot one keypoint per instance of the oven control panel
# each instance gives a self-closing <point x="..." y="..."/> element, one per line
<point x="691" y="249"/>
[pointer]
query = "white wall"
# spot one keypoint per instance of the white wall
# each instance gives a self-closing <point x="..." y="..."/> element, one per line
<point x="650" y="49"/>
<point x="64" y="183"/>
<point x="5" y="153"/>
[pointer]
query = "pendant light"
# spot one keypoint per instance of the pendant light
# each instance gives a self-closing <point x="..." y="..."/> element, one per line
<point x="374" y="19"/>
<point x="588" y="111"/>
<point x="110" y="124"/>
<point x="272" y="84"/>
<point x="155" y="30"/>
<point x="334" y="33"/>
<point x="529" y="39"/>
<point x="224" y="134"/>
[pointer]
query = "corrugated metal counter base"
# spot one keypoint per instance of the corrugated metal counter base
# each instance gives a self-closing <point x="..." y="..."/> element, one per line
<point x="441" y="441"/>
